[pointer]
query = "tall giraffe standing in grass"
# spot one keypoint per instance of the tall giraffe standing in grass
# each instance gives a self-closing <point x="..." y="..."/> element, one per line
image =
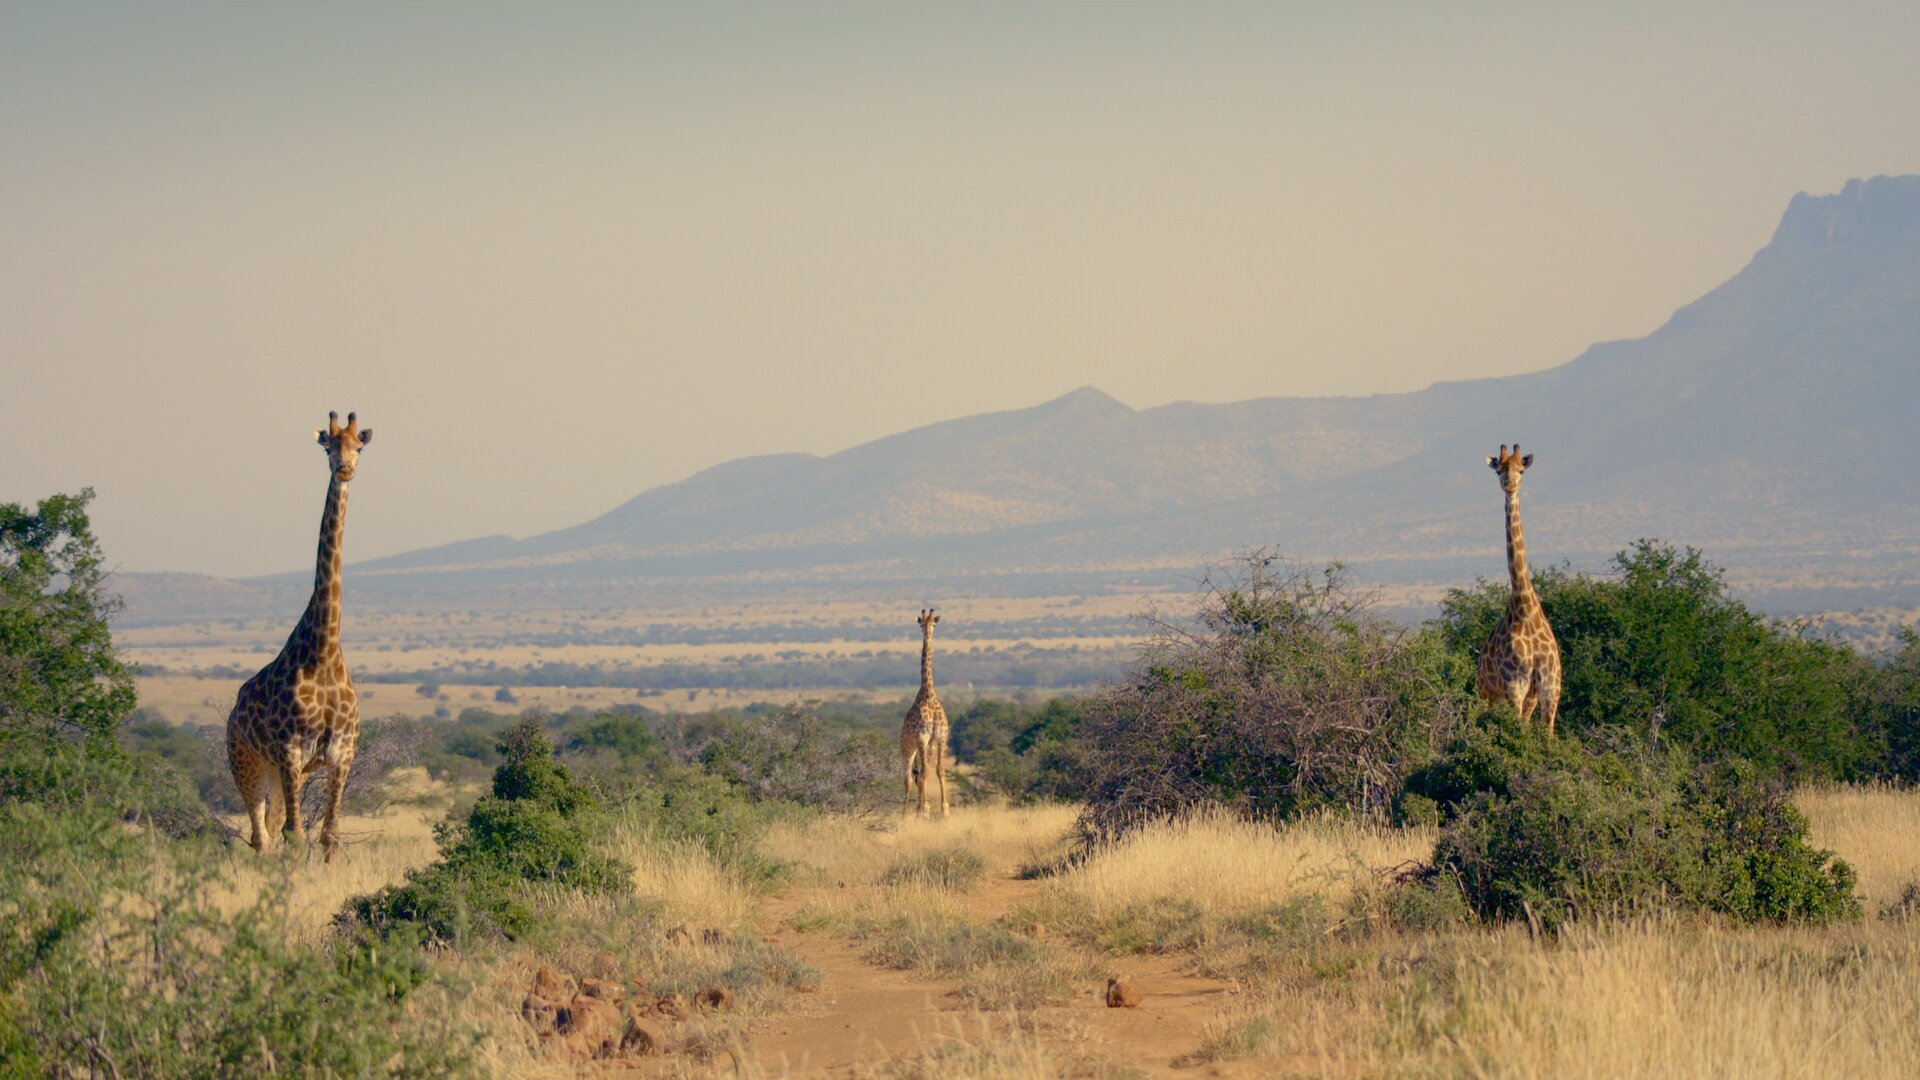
<point x="924" y="733"/>
<point x="1521" y="663"/>
<point x="300" y="712"/>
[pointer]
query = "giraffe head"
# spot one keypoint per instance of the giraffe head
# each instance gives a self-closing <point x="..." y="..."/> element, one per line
<point x="1509" y="465"/>
<point x="928" y="619"/>
<point x="343" y="443"/>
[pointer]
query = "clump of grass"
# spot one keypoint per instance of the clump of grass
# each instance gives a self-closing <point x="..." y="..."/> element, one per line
<point x="1905" y="906"/>
<point x="953" y="868"/>
<point x="1228" y="865"/>
<point x="996" y="968"/>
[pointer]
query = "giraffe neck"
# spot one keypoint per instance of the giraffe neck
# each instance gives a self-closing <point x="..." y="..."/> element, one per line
<point x="926" y="665"/>
<point x="1517" y="575"/>
<point x="321" y="624"/>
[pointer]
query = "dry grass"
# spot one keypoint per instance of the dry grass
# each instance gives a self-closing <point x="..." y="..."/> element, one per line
<point x="845" y="851"/>
<point x="1684" y="999"/>
<point x="1875" y="828"/>
<point x="375" y="852"/>
<point x="984" y="1046"/>
<point x="689" y="883"/>
<point x="1228" y="867"/>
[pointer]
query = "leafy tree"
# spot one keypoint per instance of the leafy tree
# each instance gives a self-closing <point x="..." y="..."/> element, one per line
<point x="1895" y="711"/>
<point x="1286" y="693"/>
<point x="58" y="670"/>
<point x="1661" y="647"/>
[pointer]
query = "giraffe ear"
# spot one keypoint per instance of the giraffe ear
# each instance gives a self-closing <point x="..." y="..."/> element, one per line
<point x="1526" y="462"/>
<point x="366" y="435"/>
<point x="320" y="436"/>
<point x="1492" y="462"/>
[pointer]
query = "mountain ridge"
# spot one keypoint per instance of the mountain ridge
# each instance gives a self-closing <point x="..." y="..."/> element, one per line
<point x="1724" y="425"/>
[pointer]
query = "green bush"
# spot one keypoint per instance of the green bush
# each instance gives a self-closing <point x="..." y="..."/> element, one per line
<point x="1662" y="649"/>
<point x="1894" y="703"/>
<point x="1022" y="752"/>
<point x="536" y="828"/>
<point x="1572" y="832"/>
<point x="117" y="962"/>
<point x="694" y="804"/>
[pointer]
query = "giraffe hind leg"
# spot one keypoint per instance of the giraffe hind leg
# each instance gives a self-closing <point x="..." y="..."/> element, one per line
<point x="250" y="775"/>
<point x="1548" y="692"/>
<point x="940" y="774"/>
<point x="926" y="766"/>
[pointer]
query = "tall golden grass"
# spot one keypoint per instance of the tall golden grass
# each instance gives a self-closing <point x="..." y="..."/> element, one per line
<point x="1874" y="827"/>
<point x="1228" y="866"/>
<point x="841" y="850"/>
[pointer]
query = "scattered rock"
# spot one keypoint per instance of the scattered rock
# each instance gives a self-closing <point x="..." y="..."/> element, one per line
<point x="602" y="990"/>
<point x="593" y="1028"/>
<point x="541" y="1013"/>
<point x="718" y="998"/>
<point x="551" y="985"/>
<point x="1122" y="993"/>
<point x="643" y="1036"/>
<point x="688" y="934"/>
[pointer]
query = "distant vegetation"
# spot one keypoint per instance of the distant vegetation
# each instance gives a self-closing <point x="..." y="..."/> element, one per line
<point x="1285" y="696"/>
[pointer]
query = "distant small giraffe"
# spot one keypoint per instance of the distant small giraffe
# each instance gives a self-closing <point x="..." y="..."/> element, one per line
<point x="300" y="712"/>
<point x="924" y="733"/>
<point x="1521" y="663"/>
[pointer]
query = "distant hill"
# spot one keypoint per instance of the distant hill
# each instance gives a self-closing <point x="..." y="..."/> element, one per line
<point x="1770" y="421"/>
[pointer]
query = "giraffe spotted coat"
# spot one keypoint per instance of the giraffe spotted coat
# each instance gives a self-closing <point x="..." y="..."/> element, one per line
<point x="1521" y="663"/>
<point x="923" y="735"/>
<point x="300" y="713"/>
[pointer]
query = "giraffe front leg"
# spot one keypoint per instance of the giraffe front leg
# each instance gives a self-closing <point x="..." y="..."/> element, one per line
<point x="291" y="774"/>
<point x="1528" y="701"/>
<point x="926" y="766"/>
<point x="336" y="788"/>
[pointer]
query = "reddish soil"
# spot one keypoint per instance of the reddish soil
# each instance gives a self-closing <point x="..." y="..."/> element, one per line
<point x="863" y="1014"/>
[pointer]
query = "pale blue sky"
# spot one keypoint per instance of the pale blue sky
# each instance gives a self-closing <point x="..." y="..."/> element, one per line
<point x="559" y="254"/>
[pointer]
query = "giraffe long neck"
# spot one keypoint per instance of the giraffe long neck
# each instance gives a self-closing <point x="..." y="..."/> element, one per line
<point x="322" y="620"/>
<point x="1517" y="574"/>
<point x="926" y="665"/>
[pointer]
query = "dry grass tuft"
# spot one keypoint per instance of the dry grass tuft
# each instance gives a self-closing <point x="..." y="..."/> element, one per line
<point x="376" y="852"/>
<point x="1686" y="999"/>
<point x="845" y="851"/>
<point x="995" y="1047"/>
<point x="690" y="884"/>
<point x="1873" y="827"/>
<point x="1227" y="866"/>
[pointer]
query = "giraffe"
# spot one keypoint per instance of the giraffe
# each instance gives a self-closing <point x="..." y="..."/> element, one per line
<point x="924" y="732"/>
<point x="300" y="712"/>
<point x="1521" y="663"/>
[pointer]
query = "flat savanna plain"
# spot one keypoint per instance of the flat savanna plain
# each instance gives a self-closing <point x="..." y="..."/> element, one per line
<point x="968" y="947"/>
<point x="191" y="670"/>
<point x="693" y="656"/>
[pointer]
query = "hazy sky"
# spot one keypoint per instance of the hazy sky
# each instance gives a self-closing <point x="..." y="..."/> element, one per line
<point x="558" y="254"/>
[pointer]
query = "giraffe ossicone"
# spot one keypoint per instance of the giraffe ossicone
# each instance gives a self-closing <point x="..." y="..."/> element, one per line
<point x="300" y="713"/>
<point x="1521" y="663"/>
<point x="923" y="735"/>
